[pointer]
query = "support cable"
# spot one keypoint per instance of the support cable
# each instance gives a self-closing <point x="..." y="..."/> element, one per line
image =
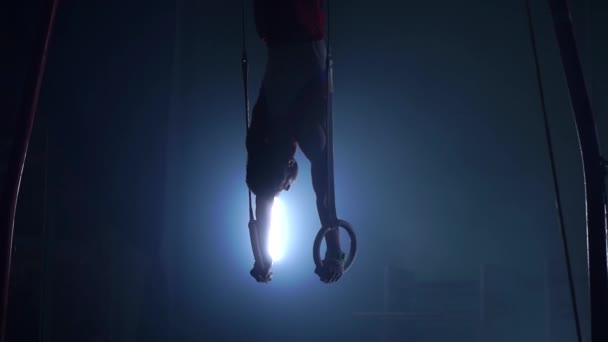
<point x="556" y="187"/>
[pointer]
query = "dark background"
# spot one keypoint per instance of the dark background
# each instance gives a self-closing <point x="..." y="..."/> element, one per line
<point x="132" y="221"/>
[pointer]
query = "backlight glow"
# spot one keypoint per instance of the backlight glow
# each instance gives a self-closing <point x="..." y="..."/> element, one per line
<point x="277" y="243"/>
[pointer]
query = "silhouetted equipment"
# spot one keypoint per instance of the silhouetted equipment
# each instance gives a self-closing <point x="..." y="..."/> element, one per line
<point x="25" y="122"/>
<point x="593" y="170"/>
<point x="418" y="304"/>
<point x="480" y="308"/>
<point x="556" y="187"/>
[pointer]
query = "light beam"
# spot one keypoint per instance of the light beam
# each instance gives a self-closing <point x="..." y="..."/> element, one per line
<point x="277" y="236"/>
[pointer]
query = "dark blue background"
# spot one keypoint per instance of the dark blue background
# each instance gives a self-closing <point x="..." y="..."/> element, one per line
<point x="441" y="165"/>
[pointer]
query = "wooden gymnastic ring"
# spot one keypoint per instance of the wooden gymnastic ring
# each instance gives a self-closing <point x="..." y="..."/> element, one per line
<point x="316" y="248"/>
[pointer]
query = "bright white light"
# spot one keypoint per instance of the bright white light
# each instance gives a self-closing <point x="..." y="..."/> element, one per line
<point x="277" y="236"/>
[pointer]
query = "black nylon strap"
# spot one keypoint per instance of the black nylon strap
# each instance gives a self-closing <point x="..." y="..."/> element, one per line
<point x="245" y="72"/>
<point x="331" y="195"/>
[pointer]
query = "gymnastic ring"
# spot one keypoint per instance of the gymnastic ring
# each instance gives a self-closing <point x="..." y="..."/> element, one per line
<point x="316" y="248"/>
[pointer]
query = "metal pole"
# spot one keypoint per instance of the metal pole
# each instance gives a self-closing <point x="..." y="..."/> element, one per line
<point x="592" y="169"/>
<point x="25" y="121"/>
